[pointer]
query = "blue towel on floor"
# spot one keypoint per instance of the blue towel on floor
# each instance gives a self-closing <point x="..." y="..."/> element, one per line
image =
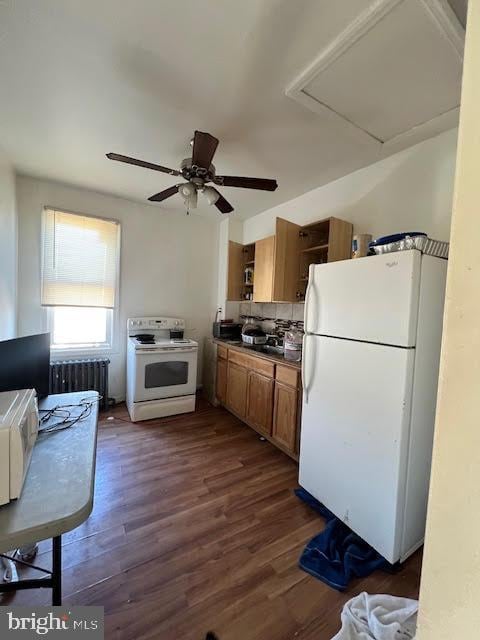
<point x="337" y="555"/>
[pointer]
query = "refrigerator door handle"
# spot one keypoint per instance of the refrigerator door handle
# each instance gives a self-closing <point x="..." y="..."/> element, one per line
<point x="308" y="295"/>
<point x="304" y="368"/>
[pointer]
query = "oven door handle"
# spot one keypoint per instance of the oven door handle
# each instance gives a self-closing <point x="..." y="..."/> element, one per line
<point x="168" y="350"/>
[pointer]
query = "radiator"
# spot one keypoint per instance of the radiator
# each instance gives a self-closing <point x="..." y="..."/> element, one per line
<point x="81" y="375"/>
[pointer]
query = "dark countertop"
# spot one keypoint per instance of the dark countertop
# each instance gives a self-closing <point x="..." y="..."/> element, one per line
<point x="253" y="351"/>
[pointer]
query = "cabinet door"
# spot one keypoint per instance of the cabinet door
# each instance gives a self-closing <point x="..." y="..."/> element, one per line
<point x="260" y="402"/>
<point x="285" y="416"/>
<point x="287" y="261"/>
<point x="235" y="271"/>
<point x="221" y="385"/>
<point x="263" y="277"/>
<point x="339" y="240"/>
<point x="237" y="389"/>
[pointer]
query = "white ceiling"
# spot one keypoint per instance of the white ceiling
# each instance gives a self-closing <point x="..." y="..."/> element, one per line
<point x="80" y="79"/>
<point x="460" y="8"/>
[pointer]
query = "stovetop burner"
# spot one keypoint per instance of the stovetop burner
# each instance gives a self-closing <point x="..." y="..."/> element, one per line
<point x="145" y="338"/>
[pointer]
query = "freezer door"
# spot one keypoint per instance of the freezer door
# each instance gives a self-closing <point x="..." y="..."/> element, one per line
<point x="355" y="432"/>
<point x="373" y="299"/>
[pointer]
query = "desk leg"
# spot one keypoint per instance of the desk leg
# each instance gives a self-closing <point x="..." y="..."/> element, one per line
<point x="57" y="571"/>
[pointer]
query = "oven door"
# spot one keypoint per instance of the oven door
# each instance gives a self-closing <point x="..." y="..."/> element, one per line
<point x="165" y="374"/>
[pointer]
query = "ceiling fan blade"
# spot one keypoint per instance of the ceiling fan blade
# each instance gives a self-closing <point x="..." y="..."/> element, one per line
<point x="222" y="205"/>
<point x="204" y="147"/>
<point x="163" y="195"/>
<point x="263" y="184"/>
<point x="142" y="163"/>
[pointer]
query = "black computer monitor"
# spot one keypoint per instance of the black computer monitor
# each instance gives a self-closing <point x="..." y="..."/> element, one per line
<point x="25" y="363"/>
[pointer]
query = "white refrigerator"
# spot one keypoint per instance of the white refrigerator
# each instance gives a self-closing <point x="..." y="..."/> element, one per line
<point x="371" y="354"/>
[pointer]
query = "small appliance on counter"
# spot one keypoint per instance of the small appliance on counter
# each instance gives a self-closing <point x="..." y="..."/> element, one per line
<point x="253" y="334"/>
<point x="227" y="330"/>
<point x="18" y="433"/>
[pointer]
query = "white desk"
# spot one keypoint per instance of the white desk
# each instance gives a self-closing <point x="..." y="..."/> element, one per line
<point x="58" y="492"/>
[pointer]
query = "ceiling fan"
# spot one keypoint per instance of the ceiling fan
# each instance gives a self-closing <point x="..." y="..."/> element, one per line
<point x="198" y="171"/>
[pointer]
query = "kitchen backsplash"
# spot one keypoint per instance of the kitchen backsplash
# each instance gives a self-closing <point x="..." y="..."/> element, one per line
<point x="268" y="314"/>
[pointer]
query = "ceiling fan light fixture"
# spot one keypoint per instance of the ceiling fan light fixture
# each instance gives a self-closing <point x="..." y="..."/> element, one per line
<point x="191" y="202"/>
<point x="187" y="190"/>
<point x="211" y="195"/>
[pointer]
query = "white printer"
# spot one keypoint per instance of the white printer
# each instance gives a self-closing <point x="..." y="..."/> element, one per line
<point x="18" y="432"/>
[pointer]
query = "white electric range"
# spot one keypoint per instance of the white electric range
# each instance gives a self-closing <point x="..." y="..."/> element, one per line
<point x="161" y="368"/>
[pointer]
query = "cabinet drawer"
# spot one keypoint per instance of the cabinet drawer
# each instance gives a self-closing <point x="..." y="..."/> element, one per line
<point x="222" y="351"/>
<point x="287" y="375"/>
<point x="250" y="362"/>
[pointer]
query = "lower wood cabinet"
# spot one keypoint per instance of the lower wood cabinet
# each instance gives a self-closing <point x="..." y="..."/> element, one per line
<point x="285" y="417"/>
<point x="264" y="394"/>
<point x="237" y="380"/>
<point x="260" y="402"/>
<point x="221" y="384"/>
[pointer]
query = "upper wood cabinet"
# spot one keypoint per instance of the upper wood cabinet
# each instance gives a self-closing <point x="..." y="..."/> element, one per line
<point x="240" y="256"/>
<point x="277" y="264"/>
<point x="264" y="266"/>
<point x="286" y="265"/>
<point x="327" y="240"/>
<point x="280" y="262"/>
<point x="235" y="271"/>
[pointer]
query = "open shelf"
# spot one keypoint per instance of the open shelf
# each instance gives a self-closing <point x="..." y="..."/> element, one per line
<point x="323" y="241"/>
<point x="319" y="247"/>
<point x="248" y="261"/>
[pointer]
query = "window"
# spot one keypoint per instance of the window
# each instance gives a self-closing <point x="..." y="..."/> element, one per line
<point x="79" y="278"/>
<point x="81" y="328"/>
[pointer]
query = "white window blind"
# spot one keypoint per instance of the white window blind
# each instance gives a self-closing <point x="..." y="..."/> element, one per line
<point x="79" y="260"/>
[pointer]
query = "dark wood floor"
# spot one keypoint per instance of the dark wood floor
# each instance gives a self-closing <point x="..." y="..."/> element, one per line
<point x="195" y="527"/>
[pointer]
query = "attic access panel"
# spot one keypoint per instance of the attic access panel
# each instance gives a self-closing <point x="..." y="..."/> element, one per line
<point x="397" y="67"/>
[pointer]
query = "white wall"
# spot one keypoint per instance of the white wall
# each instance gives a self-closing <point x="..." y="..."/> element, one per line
<point x="168" y="262"/>
<point x="8" y="250"/>
<point x="410" y="191"/>
<point x="450" y="589"/>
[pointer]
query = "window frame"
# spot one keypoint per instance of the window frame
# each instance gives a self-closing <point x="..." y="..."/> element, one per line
<point x="60" y="353"/>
